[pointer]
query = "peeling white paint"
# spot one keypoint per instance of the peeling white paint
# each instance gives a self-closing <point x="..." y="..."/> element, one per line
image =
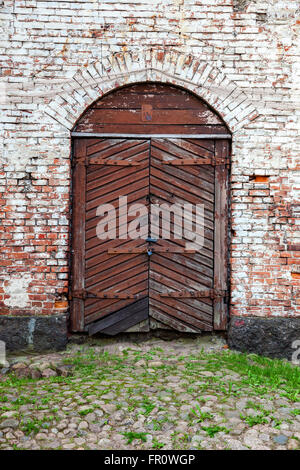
<point x="3" y="361"/>
<point x="17" y="291"/>
<point x="18" y="157"/>
<point x="31" y="328"/>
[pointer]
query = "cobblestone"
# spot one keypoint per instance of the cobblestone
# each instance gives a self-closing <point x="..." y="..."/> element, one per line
<point x="107" y="403"/>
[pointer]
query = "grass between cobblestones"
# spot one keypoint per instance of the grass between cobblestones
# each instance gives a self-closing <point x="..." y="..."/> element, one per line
<point x="155" y="396"/>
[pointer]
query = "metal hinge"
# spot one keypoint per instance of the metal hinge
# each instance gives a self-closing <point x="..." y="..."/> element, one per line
<point x="102" y="161"/>
<point x="205" y="293"/>
<point x="198" y="161"/>
<point x="85" y="294"/>
<point x="132" y="251"/>
<point x="79" y="161"/>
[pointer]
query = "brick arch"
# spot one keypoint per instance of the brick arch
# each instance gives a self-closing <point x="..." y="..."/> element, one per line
<point x="155" y="65"/>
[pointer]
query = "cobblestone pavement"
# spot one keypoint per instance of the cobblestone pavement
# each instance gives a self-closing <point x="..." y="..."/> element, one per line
<point x="179" y="394"/>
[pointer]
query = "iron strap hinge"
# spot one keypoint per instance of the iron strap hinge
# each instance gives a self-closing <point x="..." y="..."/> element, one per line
<point x="194" y="161"/>
<point x="79" y="161"/>
<point x="132" y="251"/>
<point x="86" y="161"/>
<point x="102" y="161"/>
<point x="85" y="294"/>
<point x="205" y="293"/>
<point x="177" y="162"/>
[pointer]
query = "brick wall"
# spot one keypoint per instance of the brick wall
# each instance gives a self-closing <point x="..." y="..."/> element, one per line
<point x="242" y="57"/>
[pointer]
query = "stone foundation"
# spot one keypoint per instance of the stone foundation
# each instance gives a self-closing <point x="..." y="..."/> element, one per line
<point x="272" y="337"/>
<point x="38" y="334"/>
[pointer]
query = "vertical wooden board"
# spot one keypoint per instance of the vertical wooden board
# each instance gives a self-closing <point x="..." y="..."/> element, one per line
<point x="221" y="237"/>
<point x="78" y="233"/>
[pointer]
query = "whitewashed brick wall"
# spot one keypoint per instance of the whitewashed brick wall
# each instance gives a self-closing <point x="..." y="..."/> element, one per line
<point x="242" y="57"/>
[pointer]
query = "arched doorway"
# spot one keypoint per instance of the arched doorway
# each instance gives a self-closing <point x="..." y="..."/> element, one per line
<point x="147" y="160"/>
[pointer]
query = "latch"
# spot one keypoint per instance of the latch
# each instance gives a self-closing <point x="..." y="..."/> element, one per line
<point x="151" y="240"/>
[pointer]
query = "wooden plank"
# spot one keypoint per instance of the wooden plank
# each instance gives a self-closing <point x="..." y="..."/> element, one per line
<point x="122" y="319"/>
<point x="177" y="187"/>
<point x="196" y="146"/>
<point x="191" y="310"/>
<point x="99" y="177"/>
<point x="147" y="129"/>
<point x="158" y="117"/>
<point x="123" y="283"/>
<point x="78" y="230"/>
<point x="93" y="276"/>
<point x="170" y="105"/>
<point x="170" y="279"/>
<point x="172" y="322"/>
<point x="190" y="314"/>
<point x="93" y="136"/>
<point x="131" y="183"/>
<point x="157" y="101"/>
<point x="160" y="195"/>
<point x="181" y="148"/>
<point x="127" y="182"/>
<point x="221" y="238"/>
<point x="121" y="150"/>
<point x="96" y="309"/>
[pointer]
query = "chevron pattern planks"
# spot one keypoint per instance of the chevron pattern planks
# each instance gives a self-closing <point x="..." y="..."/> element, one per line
<point x="173" y="272"/>
<point x="105" y="183"/>
<point x="174" y="287"/>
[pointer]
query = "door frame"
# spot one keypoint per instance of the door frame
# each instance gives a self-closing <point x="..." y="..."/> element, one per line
<point x="221" y="236"/>
<point x="222" y="222"/>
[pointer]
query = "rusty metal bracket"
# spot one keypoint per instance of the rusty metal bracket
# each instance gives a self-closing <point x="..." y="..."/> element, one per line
<point x="80" y="161"/>
<point x="85" y="294"/>
<point x="205" y="293"/>
<point x="77" y="294"/>
<point x="102" y="161"/>
<point x="132" y="251"/>
<point x="198" y="161"/>
<point x="127" y="251"/>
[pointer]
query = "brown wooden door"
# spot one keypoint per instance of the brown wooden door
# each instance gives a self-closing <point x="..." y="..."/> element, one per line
<point x="121" y="282"/>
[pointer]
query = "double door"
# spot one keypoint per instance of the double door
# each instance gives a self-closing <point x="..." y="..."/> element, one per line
<point x="149" y="235"/>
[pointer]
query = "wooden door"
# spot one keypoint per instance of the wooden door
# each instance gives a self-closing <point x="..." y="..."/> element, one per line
<point x="120" y="282"/>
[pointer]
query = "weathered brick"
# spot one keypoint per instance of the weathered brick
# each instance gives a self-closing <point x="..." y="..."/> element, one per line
<point x="59" y="56"/>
